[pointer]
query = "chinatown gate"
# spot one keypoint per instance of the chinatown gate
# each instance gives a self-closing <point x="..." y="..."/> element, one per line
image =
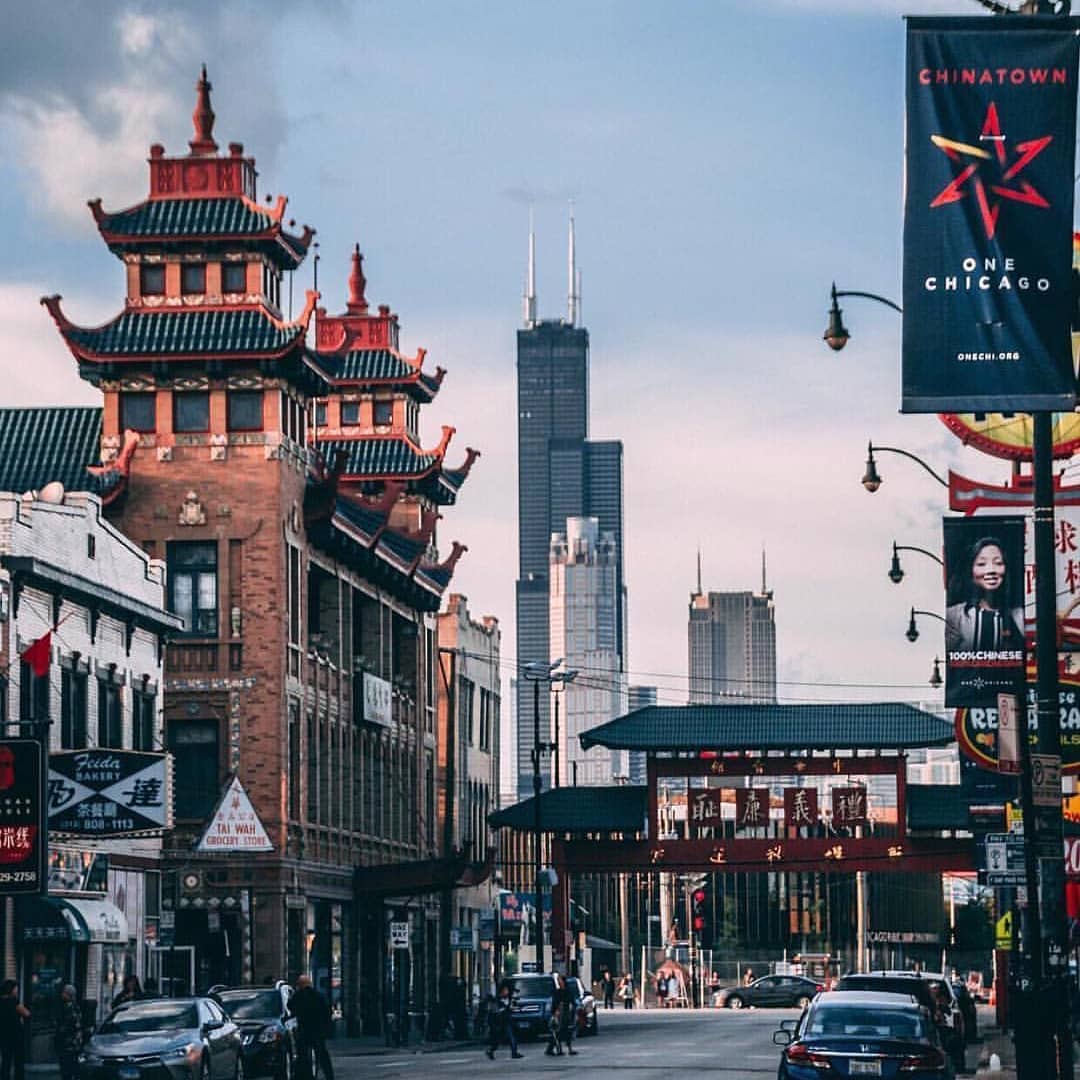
<point x="779" y="789"/>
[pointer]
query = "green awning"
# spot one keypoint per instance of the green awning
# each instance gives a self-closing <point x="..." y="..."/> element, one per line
<point x="70" y="918"/>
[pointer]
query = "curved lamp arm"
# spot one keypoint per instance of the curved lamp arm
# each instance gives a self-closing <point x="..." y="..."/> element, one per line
<point x="872" y="480"/>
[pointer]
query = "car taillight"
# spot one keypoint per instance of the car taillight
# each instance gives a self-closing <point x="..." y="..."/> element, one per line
<point x="800" y="1054"/>
<point x="932" y="1059"/>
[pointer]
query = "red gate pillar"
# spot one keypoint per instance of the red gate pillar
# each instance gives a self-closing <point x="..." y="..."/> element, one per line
<point x="560" y="909"/>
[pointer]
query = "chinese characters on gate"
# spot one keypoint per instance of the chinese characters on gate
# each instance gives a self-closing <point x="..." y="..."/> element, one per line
<point x="848" y="809"/>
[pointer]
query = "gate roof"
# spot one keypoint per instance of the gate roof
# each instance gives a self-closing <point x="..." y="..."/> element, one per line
<point x="855" y="726"/>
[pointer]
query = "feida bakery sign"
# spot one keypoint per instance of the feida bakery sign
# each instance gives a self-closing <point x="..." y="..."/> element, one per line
<point x="977" y="728"/>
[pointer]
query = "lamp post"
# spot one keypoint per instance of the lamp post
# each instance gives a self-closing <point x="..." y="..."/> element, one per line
<point x="560" y="678"/>
<point x="912" y="631"/>
<point x="836" y="334"/>
<point x="896" y="571"/>
<point x="872" y="479"/>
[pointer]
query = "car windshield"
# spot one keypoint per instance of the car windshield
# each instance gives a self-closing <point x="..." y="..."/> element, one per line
<point x="538" y="986"/>
<point x="151" y="1016"/>
<point x="251" y="1004"/>
<point x="863" y="1021"/>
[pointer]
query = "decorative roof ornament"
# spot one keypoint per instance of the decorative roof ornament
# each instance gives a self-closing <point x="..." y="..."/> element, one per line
<point x="203" y="118"/>
<point x="358" y="304"/>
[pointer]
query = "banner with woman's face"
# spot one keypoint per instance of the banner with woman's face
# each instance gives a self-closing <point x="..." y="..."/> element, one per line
<point x="984" y="609"/>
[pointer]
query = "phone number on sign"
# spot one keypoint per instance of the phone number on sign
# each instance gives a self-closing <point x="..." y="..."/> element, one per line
<point x="8" y="877"/>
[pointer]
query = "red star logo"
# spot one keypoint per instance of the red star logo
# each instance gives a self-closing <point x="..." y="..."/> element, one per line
<point x="1005" y="184"/>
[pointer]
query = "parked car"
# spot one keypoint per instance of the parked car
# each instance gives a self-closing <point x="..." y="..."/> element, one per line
<point x="267" y="1030"/>
<point x="772" y="990"/>
<point x="164" y="1039"/>
<point x="586" y="1007"/>
<point x="530" y="1009"/>
<point x="857" y="1034"/>
<point x="925" y="987"/>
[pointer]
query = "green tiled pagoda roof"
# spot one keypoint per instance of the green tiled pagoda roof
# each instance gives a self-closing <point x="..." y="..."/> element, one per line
<point x="619" y="808"/>
<point x="885" y="726"/>
<point x="379" y="456"/>
<point x="937" y="807"/>
<point x="38" y="446"/>
<point x="177" y="333"/>
<point x="181" y="219"/>
<point x="376" y="365"/>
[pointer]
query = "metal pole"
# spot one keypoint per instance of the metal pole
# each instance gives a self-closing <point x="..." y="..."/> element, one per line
<point x="538" y="835"/>
<point x="555" y="761"/>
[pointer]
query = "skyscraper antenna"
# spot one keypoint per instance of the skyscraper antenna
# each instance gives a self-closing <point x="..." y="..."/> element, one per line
<point x="699" y="593"/>
<point x="530" y="280"/>
<point x="764" y="587"/>
<point x="571" y="258"/>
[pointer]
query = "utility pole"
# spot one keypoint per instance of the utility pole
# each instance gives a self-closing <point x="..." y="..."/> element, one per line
<point x="446" y="899"/>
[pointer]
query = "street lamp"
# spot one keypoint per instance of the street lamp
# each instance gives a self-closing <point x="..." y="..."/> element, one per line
<point x="836" y="333"/>
<point x="912" y="632"/>
<point x="896" y="571"/>
<point x="872" y="479"/>
<point x="935" y="675"/>
<point x="561" y="678"/>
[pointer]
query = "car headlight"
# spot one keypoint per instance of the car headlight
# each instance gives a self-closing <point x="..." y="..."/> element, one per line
<point x="191" y="1052"/>
<point x="88" y="1057"/>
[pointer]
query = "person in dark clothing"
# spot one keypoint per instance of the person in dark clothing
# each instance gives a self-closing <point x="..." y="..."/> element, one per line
<point x="500" y="1023"/>
<point x="12" y="1039"/>
<point x="130" y="991"/>
<point x="563" y="1005"/>
<point x="69" y="1033"/>
<point x="607" y="984"/>
<point x="313" y="1023"/>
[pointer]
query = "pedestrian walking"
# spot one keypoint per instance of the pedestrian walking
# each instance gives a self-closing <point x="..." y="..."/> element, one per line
<point x="607" y="984"/>
<point x="626" y="991"/>
<point x="129" y="991"/>
<point x="313" y="1024"/>
<point x="13" y="1013"/>
<point x="561" y="1027"/>
<point x="748" y="976"/>
<point x="501" y="1023"/>
<point x="661" y="991"/>
<point x="69" y="1033"/>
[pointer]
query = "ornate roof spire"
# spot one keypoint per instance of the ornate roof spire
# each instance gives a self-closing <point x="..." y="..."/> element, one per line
<point x="357" y="304"/>
<point x="203" y="118"/>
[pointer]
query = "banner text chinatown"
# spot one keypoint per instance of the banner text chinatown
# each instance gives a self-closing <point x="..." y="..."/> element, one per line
<point x="994" y="76"/>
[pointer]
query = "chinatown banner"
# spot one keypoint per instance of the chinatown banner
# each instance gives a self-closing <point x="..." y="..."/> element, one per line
<point x="984" y="609"/>
<point x="22" y="836"/>
<point x="988" y="216"/>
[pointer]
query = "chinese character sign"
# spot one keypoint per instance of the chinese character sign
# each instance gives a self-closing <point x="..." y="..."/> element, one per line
<point x="988" y="216"/>
<point x="800" y="807"/>
<point x="984" y="609"/>
<point x="22" y="836"/>
<point x="1067" y="559"/>
<point x="109" y="792"/>
<point x="705" y="807"/>
<point x="751" y="808"/>
<point x="848" y="806"/>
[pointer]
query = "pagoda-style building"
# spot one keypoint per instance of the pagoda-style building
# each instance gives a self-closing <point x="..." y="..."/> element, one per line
<point x="288" y="490"/>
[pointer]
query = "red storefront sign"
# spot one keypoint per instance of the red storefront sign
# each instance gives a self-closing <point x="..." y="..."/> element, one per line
<point x="22" y="839"/>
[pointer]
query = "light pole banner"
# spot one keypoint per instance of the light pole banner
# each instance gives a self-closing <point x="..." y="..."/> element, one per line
<point x="988" y="215"/>
<point x="984" y="609"/>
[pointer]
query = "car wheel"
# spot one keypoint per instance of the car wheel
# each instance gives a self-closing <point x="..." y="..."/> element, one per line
<point x="802" y="1001"/>
<point x="735" y="1002"/>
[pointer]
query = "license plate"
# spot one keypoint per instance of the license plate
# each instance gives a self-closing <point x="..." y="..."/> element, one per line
<point x="865" y="1068"/>
<point x="128" y="1072"/>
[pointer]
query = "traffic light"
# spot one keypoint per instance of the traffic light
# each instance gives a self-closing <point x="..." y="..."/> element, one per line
<point x="698" y="899"/>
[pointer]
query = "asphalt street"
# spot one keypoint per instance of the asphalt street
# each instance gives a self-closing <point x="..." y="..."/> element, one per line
<point x="653" y="1043"/>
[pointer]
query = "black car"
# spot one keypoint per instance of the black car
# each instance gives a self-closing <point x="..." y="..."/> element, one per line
<point x="773" y="990"/>
<point x="164" y="1039"/>
<point x="530" y="1009"/>
<point x="862" y="1034"/>
<point x="268" y="1032"/>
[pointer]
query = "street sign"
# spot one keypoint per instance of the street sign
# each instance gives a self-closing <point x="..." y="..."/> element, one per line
<point x="235" y="826"/>
<point x="399" y="935"/>
<point x="461" y="937"/>
<point x="1003" y="932"/>
<point x="1046" y="780"/>
<point x="1005" y="859"/>
<point x="109" y="793"/>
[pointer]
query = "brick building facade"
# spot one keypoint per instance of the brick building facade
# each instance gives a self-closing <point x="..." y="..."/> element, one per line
<point x="286" y="489"/>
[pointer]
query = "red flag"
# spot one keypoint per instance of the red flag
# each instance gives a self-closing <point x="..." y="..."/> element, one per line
<point x="39" y="655"/>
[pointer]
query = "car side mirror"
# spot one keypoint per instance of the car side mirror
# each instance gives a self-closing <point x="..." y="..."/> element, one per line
<point x="213" y="1025"/>
<point x="783" y="1037"/>
<point x="788" y="1025"/>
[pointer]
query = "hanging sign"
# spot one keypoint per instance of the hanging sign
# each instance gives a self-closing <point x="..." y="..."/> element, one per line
<point x="235" y="826"/>
<point x="22" y="833"/>
<point x="984" y="609"/>
<point x="991" y="118"/>
<point x="399" y="935"/>
<point x="1009" y="722"/>
<point x="109" y="793"/>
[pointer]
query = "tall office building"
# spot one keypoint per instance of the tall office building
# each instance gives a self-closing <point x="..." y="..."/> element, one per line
<point x="639" y="697"/>
<point x="561" y="475"/>
<point x="732" y="646"/>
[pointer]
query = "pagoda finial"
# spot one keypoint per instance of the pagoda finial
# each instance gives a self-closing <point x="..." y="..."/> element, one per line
<point x="203" y="118"/>
<point x="358" y="304"/>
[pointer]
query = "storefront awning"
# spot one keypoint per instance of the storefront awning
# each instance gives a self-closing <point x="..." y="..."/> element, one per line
<point x="71" y="918"/>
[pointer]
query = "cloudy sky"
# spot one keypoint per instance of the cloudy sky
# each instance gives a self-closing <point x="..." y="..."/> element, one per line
<point x="727" y="161"/>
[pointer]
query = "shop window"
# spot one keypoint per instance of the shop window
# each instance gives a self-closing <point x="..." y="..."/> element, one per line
<point x="137" y="412"/>
<point x="195" y="750"/>
<point x="234" y="277"/>
<point x="143" y="721"/>
<point x="191" y="411"/>
<point x="152" y="279"/>
<point x="73" y="709"/>
<point x="350" y="413"/>
<point x="193" y="279"/>
<point x="294" y="760"/>
<point x="33" y="695"/>
<point x="110" y="716"/>
<point x="320" y="414"/>
<point x="383" y="413"/>
<point x="193" y="586"/>
<point x="245" y="410"/>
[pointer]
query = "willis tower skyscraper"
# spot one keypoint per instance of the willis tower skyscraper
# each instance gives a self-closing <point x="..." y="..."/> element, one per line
<point x="561" y="474"/>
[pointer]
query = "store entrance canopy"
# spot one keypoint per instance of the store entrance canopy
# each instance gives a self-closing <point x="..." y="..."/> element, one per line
<point x="71" y="918"/>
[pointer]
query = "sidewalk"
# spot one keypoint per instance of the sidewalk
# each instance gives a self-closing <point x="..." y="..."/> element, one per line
<point x="996" y="1041"/>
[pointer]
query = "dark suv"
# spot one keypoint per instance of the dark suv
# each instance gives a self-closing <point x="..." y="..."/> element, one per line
<point x="530" y="1009"/>
<point x="268" y="1031"/>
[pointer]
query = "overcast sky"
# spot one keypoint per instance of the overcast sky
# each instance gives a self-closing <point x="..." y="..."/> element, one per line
<point x="727" y="161"/>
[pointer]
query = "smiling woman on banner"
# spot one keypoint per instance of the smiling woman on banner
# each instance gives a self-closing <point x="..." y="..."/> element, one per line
<point x="980" y="614"/>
